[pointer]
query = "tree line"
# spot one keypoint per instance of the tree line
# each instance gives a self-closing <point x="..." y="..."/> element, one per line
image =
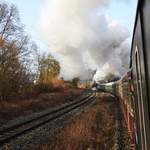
<point x="17" y="53"/>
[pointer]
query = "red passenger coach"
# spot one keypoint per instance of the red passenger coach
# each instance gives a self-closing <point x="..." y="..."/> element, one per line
<point x="134" y="88"/>
<point x="126" y="102"/>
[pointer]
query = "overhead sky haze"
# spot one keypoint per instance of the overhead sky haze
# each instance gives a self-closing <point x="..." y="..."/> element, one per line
<point x="94" y="34"/>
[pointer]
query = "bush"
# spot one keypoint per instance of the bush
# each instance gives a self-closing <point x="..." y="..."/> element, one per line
<point x="44" y="88"/>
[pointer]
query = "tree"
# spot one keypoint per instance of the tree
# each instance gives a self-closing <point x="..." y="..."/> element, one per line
<point x="9" y="22"/>
<point x="75" y="81"/>
<point x="13" y="73"/>
<point x="49" y="69"/>
<point x="14" y="53"/>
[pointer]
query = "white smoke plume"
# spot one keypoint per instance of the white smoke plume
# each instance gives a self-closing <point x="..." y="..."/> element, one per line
<point x="84" y="38"/>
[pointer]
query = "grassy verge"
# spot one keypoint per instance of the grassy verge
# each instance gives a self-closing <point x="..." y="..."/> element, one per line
<point x="15" y="108"/>
<point x="92" y="130"/>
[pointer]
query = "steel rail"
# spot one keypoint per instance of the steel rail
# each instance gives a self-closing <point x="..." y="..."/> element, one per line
<point x="19" y="129"/>
<point x="41" y="115"/>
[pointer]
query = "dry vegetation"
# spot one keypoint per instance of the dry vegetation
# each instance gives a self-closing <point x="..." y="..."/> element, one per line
<point x="26" y="75"/>
<point x="92" y="130"/>
<point x="14" y="108"/>
<point x="24" y="70"/>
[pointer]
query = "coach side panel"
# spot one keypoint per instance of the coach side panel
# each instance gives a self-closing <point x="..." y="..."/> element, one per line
<point x="139" y="78"/>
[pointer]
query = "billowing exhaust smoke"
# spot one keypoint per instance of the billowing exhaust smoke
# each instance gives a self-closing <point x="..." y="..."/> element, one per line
<point x="83" y="38"/>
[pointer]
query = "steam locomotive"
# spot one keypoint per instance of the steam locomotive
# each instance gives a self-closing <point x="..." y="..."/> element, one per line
<point x="133" y="89"/>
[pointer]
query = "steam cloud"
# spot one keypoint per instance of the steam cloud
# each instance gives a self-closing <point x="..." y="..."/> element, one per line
<point x="84" y="38"/>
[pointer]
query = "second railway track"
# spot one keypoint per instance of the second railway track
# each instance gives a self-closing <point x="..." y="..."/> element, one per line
<point x="8" y="133"/>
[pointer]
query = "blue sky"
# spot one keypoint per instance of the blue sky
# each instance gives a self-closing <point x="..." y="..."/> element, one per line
<point x="30" y="12"/>
<point x="124" y="12"/>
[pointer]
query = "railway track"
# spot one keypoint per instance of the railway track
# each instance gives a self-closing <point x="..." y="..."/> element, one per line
<point x="11" y="132"/>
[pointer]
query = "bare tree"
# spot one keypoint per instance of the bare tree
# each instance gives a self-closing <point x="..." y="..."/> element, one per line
<point x="9" y="22"/>
<point x="14" y="53"/>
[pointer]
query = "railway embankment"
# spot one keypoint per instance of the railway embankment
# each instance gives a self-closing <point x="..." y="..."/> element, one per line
<point x="34" y="129"/>
<point x="91" y="122"/>
<point x="15" y="108"/>
<point x="100" y="127"/>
